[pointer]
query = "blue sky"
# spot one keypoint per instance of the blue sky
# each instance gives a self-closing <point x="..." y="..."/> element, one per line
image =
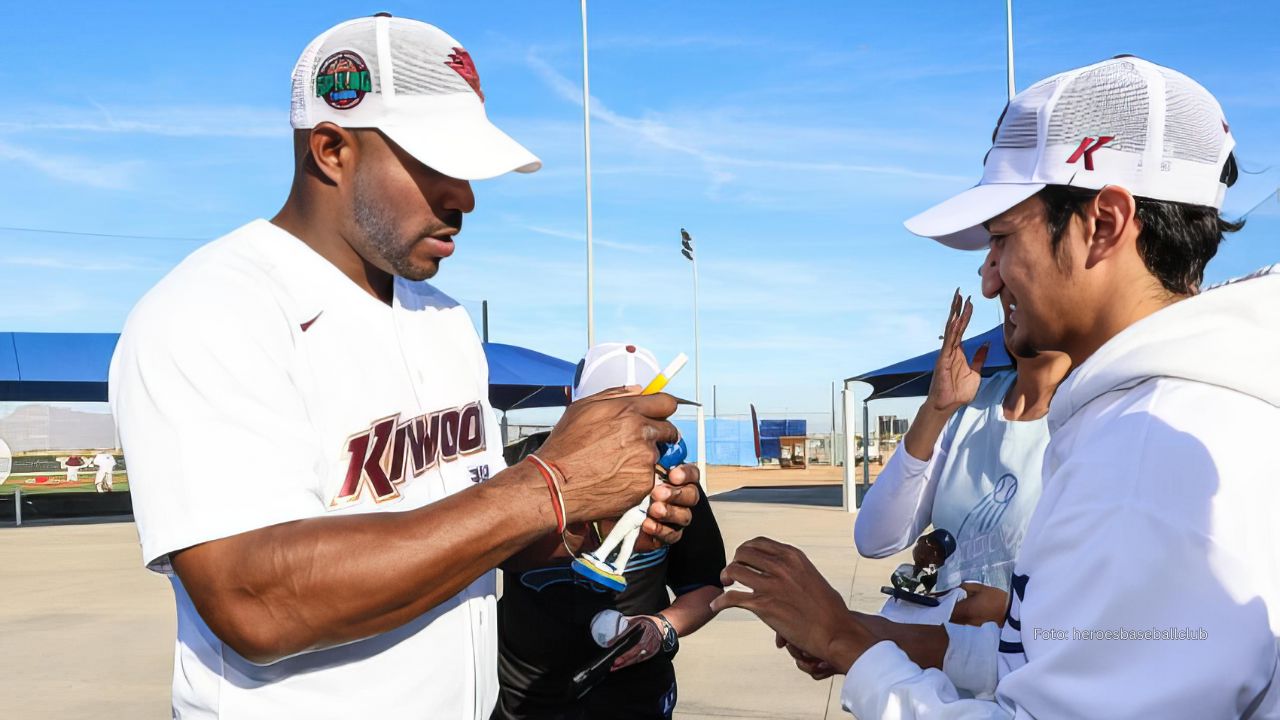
<point x="790" y="139"/>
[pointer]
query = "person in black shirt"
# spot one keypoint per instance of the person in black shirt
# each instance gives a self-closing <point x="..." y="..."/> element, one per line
<point x="546" y="609"/>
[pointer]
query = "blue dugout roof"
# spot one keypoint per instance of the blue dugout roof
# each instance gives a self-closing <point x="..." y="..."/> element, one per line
<point x="72" y="367"/>
<point x="911" y="377"/>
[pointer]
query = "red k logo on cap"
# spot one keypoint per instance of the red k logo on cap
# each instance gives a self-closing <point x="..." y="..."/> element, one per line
<point x="460" y="61"/>
<point x="1087" y="152"/>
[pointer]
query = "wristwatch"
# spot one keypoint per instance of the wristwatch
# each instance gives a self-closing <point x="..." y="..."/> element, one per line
<point x="670" y="641"/>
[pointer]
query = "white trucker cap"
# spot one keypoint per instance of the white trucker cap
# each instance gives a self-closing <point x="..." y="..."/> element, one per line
<point x="413" y="82"/>
<point x="611" y="365"/>
<point x="1124" y="121"/>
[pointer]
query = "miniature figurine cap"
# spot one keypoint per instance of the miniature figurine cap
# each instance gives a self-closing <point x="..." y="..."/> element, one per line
<point x="611" y="365"/>
<point x="945" y="540"/>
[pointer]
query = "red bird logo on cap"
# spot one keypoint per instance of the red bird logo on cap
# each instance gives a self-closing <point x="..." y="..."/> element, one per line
<point x="460" y="61"/>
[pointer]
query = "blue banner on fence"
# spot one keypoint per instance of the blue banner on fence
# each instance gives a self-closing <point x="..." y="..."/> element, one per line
<point x="729" y="442"/>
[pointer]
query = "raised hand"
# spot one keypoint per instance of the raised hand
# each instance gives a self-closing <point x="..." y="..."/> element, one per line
<point x="955" y="378"/>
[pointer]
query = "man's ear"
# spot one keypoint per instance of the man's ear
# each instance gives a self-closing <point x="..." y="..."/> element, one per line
<point x="332" y="153"/>
<point x="1113" y="221"/>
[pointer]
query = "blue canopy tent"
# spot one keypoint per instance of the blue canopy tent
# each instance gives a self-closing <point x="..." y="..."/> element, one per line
<point x="64" y="367"/>
<point x="911" y="378"/>
<point x="72" y="367"/>
<point x="524" y="378"/>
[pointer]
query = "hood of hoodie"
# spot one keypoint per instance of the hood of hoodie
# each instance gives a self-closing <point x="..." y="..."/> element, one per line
<point x="1227" y="336"/>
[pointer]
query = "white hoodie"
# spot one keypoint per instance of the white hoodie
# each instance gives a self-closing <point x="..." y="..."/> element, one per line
<point x="1148" y="583"/>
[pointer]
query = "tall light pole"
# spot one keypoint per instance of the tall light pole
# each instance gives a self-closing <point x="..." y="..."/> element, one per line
<point x="686" y="249"/>
<point x="586" y="139"/>
<point x="1008" y="9"/>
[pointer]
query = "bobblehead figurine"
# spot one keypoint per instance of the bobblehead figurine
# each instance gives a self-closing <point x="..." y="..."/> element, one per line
<point x="606" y="366"/>
<point x="912" y="581"/>
<point x="621" y="540"/>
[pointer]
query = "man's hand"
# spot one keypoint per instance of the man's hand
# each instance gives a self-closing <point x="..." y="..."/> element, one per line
<point x="791" y="596"/>
<point x="982" y="604"/>
<point x="650" y="642"/>
<point x="808" y="664"/>
<point x="670" y="508"/>
<point x="955" y="379"/>
<point x="606" y="446"/>
<point x="670" y="512"/>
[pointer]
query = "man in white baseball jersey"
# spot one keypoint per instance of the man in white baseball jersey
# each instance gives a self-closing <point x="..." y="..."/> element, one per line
<point x="1148" y="582"/>
<point x="339" y="561"/>
<point x="105" y="464"/>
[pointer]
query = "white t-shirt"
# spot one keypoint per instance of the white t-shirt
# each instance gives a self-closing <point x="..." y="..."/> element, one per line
<point x="315" y="399"/>
<point x="103" y="461"/>
<point x="980" y="485"/>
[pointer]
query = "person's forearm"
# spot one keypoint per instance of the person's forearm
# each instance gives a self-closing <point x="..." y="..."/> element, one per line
<point x="320" y="582"/>
<point x="925" y="430"/>
<point x="692" y="610"/>
<point x="926" y="645"/>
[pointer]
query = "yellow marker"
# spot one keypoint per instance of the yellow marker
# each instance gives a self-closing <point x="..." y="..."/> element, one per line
<point x="665" y="376"/>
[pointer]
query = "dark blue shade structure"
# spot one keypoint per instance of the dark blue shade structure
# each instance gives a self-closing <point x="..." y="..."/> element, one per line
<point x="72" y="367"/>
<point x="911" y="377"/>
<point x="524" y="378"/>
<point x="55" y="367"/>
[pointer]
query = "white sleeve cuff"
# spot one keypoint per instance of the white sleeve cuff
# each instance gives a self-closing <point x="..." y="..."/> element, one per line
<point x="971" y="658"/>
<point x="885" y="684"/>
<point x="867" y="684"/>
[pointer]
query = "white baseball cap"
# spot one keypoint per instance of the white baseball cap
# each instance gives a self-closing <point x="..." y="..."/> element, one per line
<point x="413" y="82"/>
<point x="611" y="365"/>
<point x="1124" y="121"/>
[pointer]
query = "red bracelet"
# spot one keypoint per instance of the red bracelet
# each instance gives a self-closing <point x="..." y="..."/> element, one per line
<point x="557" y="499"/>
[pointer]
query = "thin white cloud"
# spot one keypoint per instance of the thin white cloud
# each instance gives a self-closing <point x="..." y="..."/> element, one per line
<point x="169" y="121"/>
<point x="60" y="263"/>
<point x="74" y="169"/>
<point x="654" y="42"/>
<point x="31" y="309"/>
<point x="719" y="166"/>
<point x="582" y="238"/>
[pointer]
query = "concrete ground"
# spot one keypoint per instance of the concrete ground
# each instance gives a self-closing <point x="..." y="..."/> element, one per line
<point x="86" y="632"/>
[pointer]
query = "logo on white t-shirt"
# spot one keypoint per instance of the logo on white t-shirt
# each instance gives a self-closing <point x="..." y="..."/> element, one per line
<point x="985" y="545"/>
<point x="390" y="452"/>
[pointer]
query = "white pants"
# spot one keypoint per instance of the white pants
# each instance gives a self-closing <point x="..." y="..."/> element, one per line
<point x="103" y="478"/>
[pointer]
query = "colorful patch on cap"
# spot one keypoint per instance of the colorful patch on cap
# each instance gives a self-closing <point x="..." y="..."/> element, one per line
<point x="343" y="80"/>
<point x="460" y="61"/>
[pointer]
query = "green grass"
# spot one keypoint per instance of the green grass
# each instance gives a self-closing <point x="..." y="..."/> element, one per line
<point x="119" y="483"/>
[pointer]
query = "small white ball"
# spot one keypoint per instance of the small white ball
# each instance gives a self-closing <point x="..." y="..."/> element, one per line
<point x="607" y="625"/>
